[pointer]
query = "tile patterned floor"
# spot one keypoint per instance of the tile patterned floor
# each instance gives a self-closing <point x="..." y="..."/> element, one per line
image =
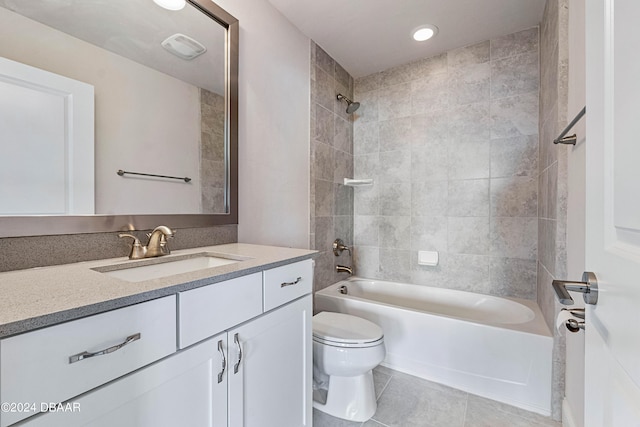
<point x="407" y="401"/>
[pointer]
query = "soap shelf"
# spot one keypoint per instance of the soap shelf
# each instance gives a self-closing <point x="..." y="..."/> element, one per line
<point x="358" y="182"/>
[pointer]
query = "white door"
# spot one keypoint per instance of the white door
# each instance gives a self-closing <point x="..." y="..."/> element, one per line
<point x="612" y="360"/>
<point x="271" y="386"/>
<point x="46" y="122"/>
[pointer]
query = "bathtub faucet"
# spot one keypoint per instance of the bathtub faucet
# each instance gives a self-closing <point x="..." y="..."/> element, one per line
<point x="339" y="246"/>
<point x="344" y="269"/>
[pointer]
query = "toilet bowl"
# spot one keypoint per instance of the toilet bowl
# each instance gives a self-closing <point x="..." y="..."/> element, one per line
<point x="345" y="350"/>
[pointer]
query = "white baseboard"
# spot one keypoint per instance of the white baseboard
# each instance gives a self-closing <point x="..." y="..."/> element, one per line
<point x="567" y="415"/>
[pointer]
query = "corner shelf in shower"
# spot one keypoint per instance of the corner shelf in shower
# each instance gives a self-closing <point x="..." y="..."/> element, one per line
<point x="358" y="182"/>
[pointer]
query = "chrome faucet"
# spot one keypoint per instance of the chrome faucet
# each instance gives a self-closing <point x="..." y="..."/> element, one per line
<point x="344" y="269"/>
<point x="157" y="245"/>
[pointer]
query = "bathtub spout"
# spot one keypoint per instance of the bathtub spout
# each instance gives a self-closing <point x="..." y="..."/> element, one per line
<point x="344" y="269"/>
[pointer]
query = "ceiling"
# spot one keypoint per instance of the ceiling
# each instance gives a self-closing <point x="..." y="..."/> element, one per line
<point x="367" y="36"/>
<point x="135" y="30"/>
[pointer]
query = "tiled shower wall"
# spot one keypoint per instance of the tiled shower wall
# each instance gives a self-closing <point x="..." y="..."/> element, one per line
<point x="552" y="177"/>
<point x="331" y="161"/>
<point x="212" y="155"/>
<point x="451" y="142"/>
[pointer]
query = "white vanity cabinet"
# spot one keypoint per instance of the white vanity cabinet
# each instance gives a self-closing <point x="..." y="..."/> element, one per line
<point x="54" y="364"/>
<point x="268" y="358"/>
<point x="270" y="386"/>
<point x="236" y="353"/>
<point x="181" y="390"/>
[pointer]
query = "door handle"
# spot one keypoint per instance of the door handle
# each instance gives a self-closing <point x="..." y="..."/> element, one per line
<point x="224" y="361"/>
<point x="588" y="287"/>
<point x="236" y="340"/>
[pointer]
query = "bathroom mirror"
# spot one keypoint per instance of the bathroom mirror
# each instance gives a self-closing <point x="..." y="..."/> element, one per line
<point x="164" y="126"/>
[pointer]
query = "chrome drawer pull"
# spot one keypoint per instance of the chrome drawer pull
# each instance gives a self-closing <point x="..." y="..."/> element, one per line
<point x="236" y="340"/>
<point x="298" y="280"/>
<point x="85" y="354"/>
<point x="224" y="362"/>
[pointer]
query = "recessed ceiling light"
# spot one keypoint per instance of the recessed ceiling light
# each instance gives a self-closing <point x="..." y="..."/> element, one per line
<point x="171" y="4"/>
<point x="424" y="32"/>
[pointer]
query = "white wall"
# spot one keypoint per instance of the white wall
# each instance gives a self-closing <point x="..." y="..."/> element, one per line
<point x="274" y="126"/>
<point x="146" y="121"/>
<point x="574" y="385"/>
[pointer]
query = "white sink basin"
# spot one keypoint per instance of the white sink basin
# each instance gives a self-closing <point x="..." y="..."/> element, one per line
<point x="164" y="268"/>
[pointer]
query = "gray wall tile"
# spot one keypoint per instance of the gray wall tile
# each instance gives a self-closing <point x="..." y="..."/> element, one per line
<point x="429" y="233"/>
<point x="469" y="160"/>
<point x="469" y="123"/>
<point x="515" y="43"/>
<point x="343" y="135"/>
<point x="366" y="260"/>
<point x="395" y="134"/>
<point x="464" y="140"/>
<point x="342" y="200"/>
<point x="366" y="230"/>
<point x="395" y="232"/>
<point x="331" y="203"/>
<point x="430" y="163"/>
<point x="514" y="237"/>
<point x="517" y="156"/>
<point x="513" y="277"/>
<point x="428" y="94"/>
<point x="471" y="273"/>
<point x="395" y="166"/>
<point x="429" y="128"/>
<point x="429" y="66"/>
<point x="325" y="126"/>
<point x="323" y="161"/>
<point x="368" y="111"/>
<point x="367" y="83"/>
<point x="325" y="89"/>
<point x="395" y="199"/>
<point x="468" y="235"/>
<point x="365" y="137"/>
<point x="470" y="84"/>
<point x="429" y="198"/>
<point x="365" y="200"/>
<point x="394" y="101"/>
<point x="324" y="61"/>
<point x="514" y="75"/>
<point x="468" y="55"/>
<point x="395" y="265"/>
<point x="514" y="116"/>
<point x="469" y="198"/>
<point x="515" y="196"/>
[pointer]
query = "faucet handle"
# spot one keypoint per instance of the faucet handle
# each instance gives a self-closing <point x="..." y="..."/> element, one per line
<point x="137" y="250"/>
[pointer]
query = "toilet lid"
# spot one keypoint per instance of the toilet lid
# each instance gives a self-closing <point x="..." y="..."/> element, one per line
<point x="345" y="329"/>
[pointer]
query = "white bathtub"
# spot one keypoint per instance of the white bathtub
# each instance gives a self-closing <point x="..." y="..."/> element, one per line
<point x="499" y="348"/>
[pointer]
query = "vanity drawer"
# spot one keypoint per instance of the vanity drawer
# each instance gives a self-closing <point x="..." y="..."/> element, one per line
<point x="286" y="283"/>
<point x="40" y="367"/>
<point x="208" y="310"/>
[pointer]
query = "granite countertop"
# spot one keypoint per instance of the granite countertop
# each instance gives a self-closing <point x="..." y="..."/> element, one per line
<point x="40" y="297"/>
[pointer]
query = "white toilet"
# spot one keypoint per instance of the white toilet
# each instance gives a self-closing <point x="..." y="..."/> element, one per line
<point x="345" y="350"/>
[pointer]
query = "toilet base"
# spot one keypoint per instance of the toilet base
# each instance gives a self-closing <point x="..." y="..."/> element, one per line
<point x="350" y="398"/>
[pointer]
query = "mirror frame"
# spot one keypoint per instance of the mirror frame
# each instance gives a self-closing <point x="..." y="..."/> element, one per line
<point x="41" y="225"/>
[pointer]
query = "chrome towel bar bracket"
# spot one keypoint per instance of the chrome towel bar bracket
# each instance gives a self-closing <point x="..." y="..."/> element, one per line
<point x="571" y="139"/>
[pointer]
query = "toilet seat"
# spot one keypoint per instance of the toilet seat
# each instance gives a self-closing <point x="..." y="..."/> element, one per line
<point x="344" y="330"/>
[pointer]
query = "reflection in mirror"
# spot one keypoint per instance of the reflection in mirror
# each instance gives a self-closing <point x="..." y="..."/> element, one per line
<point x="162" y="107"/>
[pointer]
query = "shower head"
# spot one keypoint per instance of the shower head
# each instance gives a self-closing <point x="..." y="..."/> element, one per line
<point x="351" y="106"/>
